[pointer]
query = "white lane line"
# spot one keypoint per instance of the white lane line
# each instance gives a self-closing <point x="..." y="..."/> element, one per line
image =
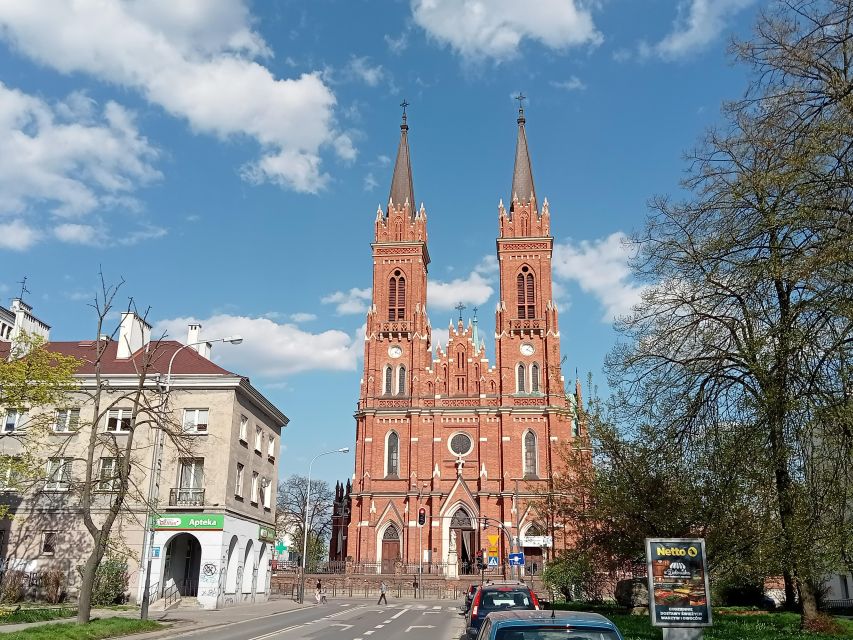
<point x="397" y="615"/>
<point x="437" y="607"/>
<point x="379" y="626"/>
<point x="421" y="606"/>
<point x="386" y="622"/>
<point x="369" y="633"/>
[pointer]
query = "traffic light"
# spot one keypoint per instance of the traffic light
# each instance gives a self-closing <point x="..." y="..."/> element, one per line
<point x="421" y="516"/>
<point x="480" y="564"/>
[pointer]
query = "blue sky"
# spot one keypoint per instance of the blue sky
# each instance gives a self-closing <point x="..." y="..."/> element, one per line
<point x="227" y="158"/>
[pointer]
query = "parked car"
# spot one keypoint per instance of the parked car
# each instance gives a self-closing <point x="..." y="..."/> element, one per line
<point x="547" y="625"/>
<point x="469" y="596"/>
<point x="498" y="597"/>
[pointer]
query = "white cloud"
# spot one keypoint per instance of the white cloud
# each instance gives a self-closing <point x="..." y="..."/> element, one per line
<point x="601" y="269"/>
<point x="397" y="45"/>
<point x="17" y="235"/>
<point x="197" y="60"/>
<point x="370" y="182"/>
<point x="99" y="236"/>
<point x="270" y="349"/>
<point x="478" y="29"/>
<point x="73" y="156"/>
<point x="349" y="302"/>
<point x="474" y="289"/>
<point x="699" y="23"/>
<point x="302" y="317"/>
<point x="360" y="68"/>
<point x="572" y="84"/>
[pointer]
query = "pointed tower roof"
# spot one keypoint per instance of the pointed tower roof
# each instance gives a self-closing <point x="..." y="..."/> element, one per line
<point x="402" y="188"/>
<point x="522" y="175"/>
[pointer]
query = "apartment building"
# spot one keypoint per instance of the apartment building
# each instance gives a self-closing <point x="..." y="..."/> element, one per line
<point x="214" y="480"/>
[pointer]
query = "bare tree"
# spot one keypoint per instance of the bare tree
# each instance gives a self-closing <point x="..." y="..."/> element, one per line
<point x="290" y="510"/>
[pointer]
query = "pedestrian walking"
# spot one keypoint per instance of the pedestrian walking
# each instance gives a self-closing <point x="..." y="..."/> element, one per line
<point x="382" y="589"/>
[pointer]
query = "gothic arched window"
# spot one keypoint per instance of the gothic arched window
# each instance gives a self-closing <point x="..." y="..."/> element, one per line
<point x="534" y="378"/>
<point x="531" y="295"/>
<point x="522" y="308"/>
<point x="519" y="379"/>
<point x="460" y="359"/>
<point x="386" y="389"/>
<point x="526" y="293"/>
<point x="401" y="381"/>
<point x="530" y="454"/>
<point x="397" y="296"/>
<point x="392" y="454"/>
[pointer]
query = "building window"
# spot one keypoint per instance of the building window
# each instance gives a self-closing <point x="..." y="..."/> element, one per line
<point x="534" y="378"/>
<point x="195" y="420"/>
<point x="108" y="479"/>
<point x="461" y="444"/>
<point x="9" y="473"/>
<point x="526" y="294"/>
<point x="267" y="491"/>
<point x="259" y="439"/>
<point x="58" y="474"/>
<point x="392" y="456"/>
<point x="575" y="426"/>
<point x="388" y="380"/>
<point x="530" y="455"/>
<point x="519" y="379"/>
<point x="48" y="543"/>
<point x="10" y="423"/>
<point x="244" y="428"/>
<point x="192" y="473"/>
<point x="254" y="495"/>
<point x="401" y="381"/>
<point x="118" y="421"/>
<point x="397" y="296"/>
<point x="67" y="420"/>
<point x="238" y="488"/>
<point x="271" y="447"/>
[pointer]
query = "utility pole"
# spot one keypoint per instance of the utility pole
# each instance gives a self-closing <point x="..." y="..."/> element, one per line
<point x="517" y="530"/>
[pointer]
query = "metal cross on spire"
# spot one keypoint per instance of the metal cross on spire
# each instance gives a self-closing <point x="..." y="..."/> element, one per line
<point x="24" y="289"/>
<point x="475" y="313"/>
<point x="460" y="308"/>
<point x="404" y="104"/>
<point x="521" y="98"/>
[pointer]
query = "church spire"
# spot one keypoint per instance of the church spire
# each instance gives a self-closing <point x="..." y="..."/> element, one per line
<point x="522" y="175"/>
<point x="402" y="188"/>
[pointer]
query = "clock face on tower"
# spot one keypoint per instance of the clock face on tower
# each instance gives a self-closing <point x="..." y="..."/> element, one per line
<point x="527" y="349"/>
<point x="395" y="352"/>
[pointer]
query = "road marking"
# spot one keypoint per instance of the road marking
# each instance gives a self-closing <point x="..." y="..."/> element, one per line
<point x="438" y="607"/>
<point x="369" y="633"/>
<point x="420" y="626"/>
<point x="397" y="615"/>
<point x="379" y="626"/>
<point x="421" y="606"/>
<point x="386" y="622"/>
<point x="341" y="624"/>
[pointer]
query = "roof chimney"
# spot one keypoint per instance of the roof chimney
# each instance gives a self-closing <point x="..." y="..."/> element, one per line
<point x="133" y="334"/>
<point x="194" y="339"/>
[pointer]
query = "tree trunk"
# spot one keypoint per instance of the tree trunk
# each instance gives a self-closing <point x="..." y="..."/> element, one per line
<point x="808" y="600"/>
<point x="87" y="582"/>
<point x="790" y="598"/>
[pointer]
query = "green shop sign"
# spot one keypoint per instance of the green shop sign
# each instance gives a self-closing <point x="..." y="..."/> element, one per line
<point x="197" y="521"/>
<point x="267" y="534"/>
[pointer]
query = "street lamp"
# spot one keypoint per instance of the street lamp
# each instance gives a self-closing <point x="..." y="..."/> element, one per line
<point x="306" y="523"/>
<point x="153" y="481"/>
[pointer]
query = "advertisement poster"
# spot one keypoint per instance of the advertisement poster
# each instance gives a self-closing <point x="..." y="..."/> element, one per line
<point x="679" y="594"/>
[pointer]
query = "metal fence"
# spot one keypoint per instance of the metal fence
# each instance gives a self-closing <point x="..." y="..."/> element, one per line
<point x="290" y="590"/>
<point x="442" y="569"/>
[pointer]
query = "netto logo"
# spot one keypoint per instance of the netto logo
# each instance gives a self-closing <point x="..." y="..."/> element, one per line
<point x="677" y="551"/>
<point x="692" y="552"/>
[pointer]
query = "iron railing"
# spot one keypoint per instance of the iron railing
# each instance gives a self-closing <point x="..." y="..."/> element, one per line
<point x="171" y="594"/>
<point x="182" y="497"/>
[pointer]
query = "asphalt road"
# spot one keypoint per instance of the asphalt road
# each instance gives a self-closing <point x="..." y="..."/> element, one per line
<point x="350" y="620"/>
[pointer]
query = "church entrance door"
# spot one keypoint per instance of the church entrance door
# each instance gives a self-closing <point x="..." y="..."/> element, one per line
<point x="466" y="541"/>
<point x="390" y="549"/>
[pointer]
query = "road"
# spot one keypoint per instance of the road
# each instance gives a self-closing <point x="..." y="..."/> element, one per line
<point x="349" y="620"/>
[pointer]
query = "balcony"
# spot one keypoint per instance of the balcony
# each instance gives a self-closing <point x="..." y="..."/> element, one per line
<point x="183" y="497"/>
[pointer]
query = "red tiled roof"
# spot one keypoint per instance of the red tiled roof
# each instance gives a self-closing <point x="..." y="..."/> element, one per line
<point x="188" y="361"/>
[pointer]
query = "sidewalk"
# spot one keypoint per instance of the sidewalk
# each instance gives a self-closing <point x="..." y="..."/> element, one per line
<point x="181" y="620"/>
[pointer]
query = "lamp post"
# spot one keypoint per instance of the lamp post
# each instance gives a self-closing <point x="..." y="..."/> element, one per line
<point x="306" y="523"/>
<point x="153" y="479"/>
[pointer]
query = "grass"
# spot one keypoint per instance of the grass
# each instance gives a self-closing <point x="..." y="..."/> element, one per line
<point x="95" y="630"/>
<point x="34" y="614"/>
<point x="727" y="626"/>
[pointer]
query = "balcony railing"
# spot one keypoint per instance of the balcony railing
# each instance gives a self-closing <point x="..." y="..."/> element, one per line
<point x="182" y="497"/>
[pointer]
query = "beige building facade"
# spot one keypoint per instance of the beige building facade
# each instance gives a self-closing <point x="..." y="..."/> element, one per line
<point x="215" y="471"/>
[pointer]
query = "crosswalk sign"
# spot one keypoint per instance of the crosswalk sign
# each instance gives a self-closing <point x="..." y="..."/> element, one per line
<point x="493" y="561"/>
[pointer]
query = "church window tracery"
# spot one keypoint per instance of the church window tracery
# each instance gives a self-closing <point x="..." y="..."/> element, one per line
<point x="534" y="378"/>
<point x="388" y="378"/>
<point x="397" y="296"/>
<point x="530" y="456"/>
<point x="401" y="381"/>
<point x="392" y="454"/>
<point x="520" y="387"/>
<point x="526" y="294"/>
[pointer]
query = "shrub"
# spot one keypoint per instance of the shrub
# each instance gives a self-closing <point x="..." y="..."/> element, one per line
<point x="737" y="593"/>
<point x="111" y="581"/>
<point x="53" y="583"/>
<point x="12" y="589"/>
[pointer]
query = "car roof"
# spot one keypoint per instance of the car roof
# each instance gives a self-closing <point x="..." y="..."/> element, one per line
<point x="574" y="618"/>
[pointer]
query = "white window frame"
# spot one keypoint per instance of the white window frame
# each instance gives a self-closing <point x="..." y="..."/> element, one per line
<point x="67" y="420"/>
<point x="64" y="466"/>
<point x="18" y="413"/>
<point x="192" y="421"/>
<point x="267" y="491"/>
<point x="111" y="482"/>
<point x="259" y="439"/>
<point x="44" y="538"/>
<point x="119" y="416"/>
<point x="238" y="489"/>
<point x="254" y="497"/>
<point x="271" y="447"/>
<point x="244" y="429"/>
<point x="8" y="477"/>
<point x="193" y="465"/>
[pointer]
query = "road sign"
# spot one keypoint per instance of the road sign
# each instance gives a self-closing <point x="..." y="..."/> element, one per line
<point x="493" y="561"/>
<point x="155" y="553"/>
<point x="537" y="541"/>
<point x="493" y="539"/>
<point x="516" y="559"/>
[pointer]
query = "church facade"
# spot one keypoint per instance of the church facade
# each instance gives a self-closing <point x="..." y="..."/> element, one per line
<point x="473" y="443"/>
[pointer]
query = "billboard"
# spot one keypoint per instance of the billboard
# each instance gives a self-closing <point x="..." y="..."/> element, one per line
<point x="679" y="594"/>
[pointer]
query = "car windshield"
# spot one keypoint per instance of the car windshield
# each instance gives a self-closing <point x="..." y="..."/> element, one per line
<point x="508" y="599"/>
<point x="552" y="632"/>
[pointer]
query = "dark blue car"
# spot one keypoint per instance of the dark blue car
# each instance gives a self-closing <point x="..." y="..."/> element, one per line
<point x="547" y="625"/>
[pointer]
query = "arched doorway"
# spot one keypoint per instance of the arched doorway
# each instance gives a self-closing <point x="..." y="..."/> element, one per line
<point x="533" y="555"/>
<point x="462" y="525"/>
<point x="183" y="560"/>
<point x="390" y="548"/>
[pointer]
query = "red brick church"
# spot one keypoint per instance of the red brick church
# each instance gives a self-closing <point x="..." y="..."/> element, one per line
<point x="440" y="427"/>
